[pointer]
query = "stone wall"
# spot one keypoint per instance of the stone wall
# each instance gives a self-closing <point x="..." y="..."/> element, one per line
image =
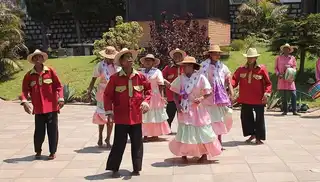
<point x="63" y="29"/>
<point x="236" y="32"/>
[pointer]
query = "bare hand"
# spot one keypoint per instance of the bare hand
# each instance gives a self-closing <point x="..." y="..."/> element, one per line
<point x="27" y="108"/>
<point x="165" y="100"/>
<point x="167" y="83"/>
<point x="179" y="108"/>
<point x="265" y="99"/>
<point x="61" y="104"/>
<point x="144" y="108"/>
<point x="198" y="100"/>
<point x="110" y="118"/>
<point x="281" y="76"/>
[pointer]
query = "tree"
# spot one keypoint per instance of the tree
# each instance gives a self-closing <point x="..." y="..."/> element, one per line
<point x="260" y="18"/>
<point x="97" y="9"/>
<point x="124" y="34"/>
<point x="42" y="11"/>
<point x="303" y="32"/>
<point x="170" y="34"/>
<point x="11" y="41"/>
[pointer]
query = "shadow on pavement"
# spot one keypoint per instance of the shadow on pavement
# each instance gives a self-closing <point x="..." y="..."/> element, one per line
<point x="235" y="143"/>
<point x="21" y="159"/>
<point x="92" y="150"/>
<point x="125" y="175"/>
<point x="178" y="162"/>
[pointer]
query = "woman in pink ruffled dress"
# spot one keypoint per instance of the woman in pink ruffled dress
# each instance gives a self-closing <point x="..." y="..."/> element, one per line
<point x="103" y="71"/>
<point x="195" y="136"/>
<point x="154" y="122"/>
<point x="218" y="103"/>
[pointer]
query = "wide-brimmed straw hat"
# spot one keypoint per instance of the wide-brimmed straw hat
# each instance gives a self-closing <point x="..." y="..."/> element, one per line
<point x="110" y="52"/>
<point x="287" y="46"/>
<point x="177" y="50"/>
<point x="125" y="51"/>
<point x="251" y="53"/>
<point x="190" y="60"/>
<point x="37" y="52"/>
<point x="150" y="56"/>
<point x="213" y="48"/>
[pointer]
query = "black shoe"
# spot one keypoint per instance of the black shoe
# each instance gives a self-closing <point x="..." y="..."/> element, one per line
<point x="284" y="114"/>
<point x="115" y="174"/>
<point x="296" y="114"/>
<point x="135" y="173"/>
<point x="38" y="156"/>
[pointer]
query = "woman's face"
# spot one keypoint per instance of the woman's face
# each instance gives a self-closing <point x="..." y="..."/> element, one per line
<point x="109" y="61"/>
<point x="286" y="50"/>
<point x="126" y="60"/>
<point x="215" y="56"/>
<point x="251" y="61"/>
<point x="188" y="68"/>
<point x="148" y="63"/>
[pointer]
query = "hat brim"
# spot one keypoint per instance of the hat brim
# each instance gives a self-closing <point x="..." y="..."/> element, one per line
<point x="184" y="54"/>
<point x="186" y="62"/>
<point x="156" y="60"/>
<point x="108" y="56"/>
<point x="285" y="46"/>
<point x="119" y="54"/>
<point x="251" y="56"/>
<point x="207" y="52"/>
<point x="43" y="54"/>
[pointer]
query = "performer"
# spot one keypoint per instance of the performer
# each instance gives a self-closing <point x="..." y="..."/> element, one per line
<point x="218" y="103"/>
<point x="126" y="98"/>
<point x="283" y="62"/>
<point x="103" y="71"/>
<point x="46" y="92"/>
<point x="170" y="73"/>
<point x="155" y="121"/>
<point x="195" y="136"/>
<point x="318" y="70"/>
<point x="254" y="90"/>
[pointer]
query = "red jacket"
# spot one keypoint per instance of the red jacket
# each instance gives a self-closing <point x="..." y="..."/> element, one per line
<point x="124" y="95"/>
<point x="44" y="88"/>
<point x="253" y="84"/>
<point x="170" y="73"/>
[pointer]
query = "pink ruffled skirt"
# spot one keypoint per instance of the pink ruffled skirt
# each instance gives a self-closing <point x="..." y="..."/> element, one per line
<point x="99" y="119"/>
<point x="155" y="129"/>
<point x="221" y="119"/>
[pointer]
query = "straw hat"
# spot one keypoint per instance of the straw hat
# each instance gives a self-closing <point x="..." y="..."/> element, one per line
<point x="190" y="60"/>
<point x="251" y="53"/>
<point x="171" y="53"/>
<point x="109" y="53"/>
<point x="125" y="51"/>
<point x="213" y="48"/>
<point x="151" y="56"/>
<point x="37" y="52"/>
<point x="287" y="46"/>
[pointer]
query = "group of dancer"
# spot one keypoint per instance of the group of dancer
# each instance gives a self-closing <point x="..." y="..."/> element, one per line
<point x="143" y="103"/>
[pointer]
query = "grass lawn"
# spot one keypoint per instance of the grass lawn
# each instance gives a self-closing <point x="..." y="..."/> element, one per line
<point x="77" y="72"/>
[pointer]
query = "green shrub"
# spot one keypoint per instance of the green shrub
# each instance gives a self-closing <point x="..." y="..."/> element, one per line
<point x="237" y="45"/>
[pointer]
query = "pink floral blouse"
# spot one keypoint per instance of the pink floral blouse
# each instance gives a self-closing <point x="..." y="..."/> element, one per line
<point x="282" y="63"/>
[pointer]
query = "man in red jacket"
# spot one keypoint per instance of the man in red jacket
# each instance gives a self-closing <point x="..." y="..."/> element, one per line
<point x="126" y="97"/>
<point x="46" y="91"/>
<point x="254" y="89"/>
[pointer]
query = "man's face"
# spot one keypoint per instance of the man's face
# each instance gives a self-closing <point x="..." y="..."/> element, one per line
<point x="251" y="61"/>
<point x="126" y="61"/>
<point x="177" y="57"/>
<point x="286" y="50"/>
<point x="37" y="59"/>
<point x="215" y="56"/>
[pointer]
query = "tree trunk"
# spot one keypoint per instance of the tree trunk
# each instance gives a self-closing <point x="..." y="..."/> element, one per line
<point x="302" y="60"/>
<point x="78" y="30"/>
<point x="45" y="42"/>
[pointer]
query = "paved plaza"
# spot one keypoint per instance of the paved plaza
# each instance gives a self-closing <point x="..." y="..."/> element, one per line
<point x="291" y="153"/>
